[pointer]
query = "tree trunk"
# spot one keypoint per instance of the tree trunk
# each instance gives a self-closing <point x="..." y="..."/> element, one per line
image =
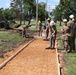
<point x="60" y="19"/>
<point x="20" y="21"/>
<point x="24" y="21"/>
<point x="60" y="22"/>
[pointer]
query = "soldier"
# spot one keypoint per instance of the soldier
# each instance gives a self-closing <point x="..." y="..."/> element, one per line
<point x="25" y="27"/>
<point x="53" y="32"/>
<point x="47" y="27"/>
<point x="40" y="28"/>
<point x="65" y="35"/>
<point x="44" y="32"/>
<point x="72" y="27"/>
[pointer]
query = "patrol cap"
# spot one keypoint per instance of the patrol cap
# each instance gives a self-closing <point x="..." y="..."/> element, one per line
<point x="64" y="20"/>
<point x="48" y="19"/>
<point x="71" y="16"/>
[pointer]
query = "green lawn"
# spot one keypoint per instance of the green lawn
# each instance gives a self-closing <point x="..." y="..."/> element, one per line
<point x="70" y="64"/>
<point x="26" y="22"/>
<point x="58" y="26"/>
<point x="11" y="24"/>
<point x="70" y="58"/>
<point x="9" y="40"/>
<point x="33" y="25"/>
<point x="30" y="28"/>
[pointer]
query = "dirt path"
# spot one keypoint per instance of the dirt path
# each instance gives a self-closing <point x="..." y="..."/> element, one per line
<point x="33" y="60"/>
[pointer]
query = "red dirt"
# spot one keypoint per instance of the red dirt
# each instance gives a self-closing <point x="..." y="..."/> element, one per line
<point x="33" y="60"/>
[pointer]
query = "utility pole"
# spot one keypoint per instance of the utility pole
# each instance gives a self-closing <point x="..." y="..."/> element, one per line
<point x="36" y="12"/>
<point x="46" y="4"/>
<point x="46" y="10"/>
<point x="49" y="10"/>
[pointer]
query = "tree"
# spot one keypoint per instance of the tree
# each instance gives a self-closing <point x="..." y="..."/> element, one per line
<point x="64" y="9"/>
<point x="24" y="10"/>
<point x="42" y="12"/>
<point x="17" y="6"/>
<point x="69" y="7"/>
<point x="31" y="8"/>
<point x="57" y="13"/>
<point x="22" y="7"/>
<point x="8" y="14"/>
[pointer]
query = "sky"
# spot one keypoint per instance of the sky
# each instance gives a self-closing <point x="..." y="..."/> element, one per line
<point x="4" y="3"/>
<point x="50" y="3"/>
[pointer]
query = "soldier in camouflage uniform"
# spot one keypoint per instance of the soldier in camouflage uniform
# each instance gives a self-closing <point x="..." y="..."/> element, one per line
<point x="53" y="32"/>
<point x="66" y="35"/>
<point x="47" y="27"/>
<point x="40" y="28"/>
<point x="72" y="30"/>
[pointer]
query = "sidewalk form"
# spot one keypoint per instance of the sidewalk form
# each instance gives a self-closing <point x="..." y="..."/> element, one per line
<point x="33" y="60"/>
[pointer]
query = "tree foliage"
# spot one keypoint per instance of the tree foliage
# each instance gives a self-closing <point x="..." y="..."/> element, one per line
<point x="41" y="11"/>
<point x="24" y="10"/>
<point x="65" y="8"/>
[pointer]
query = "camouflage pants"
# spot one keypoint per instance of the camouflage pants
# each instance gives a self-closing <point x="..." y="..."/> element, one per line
<point x="66" y="41"/>
<point x="40" y="32"/>
<point x="54" y="38"/>
<point x="47" y="32"/>
<point x="72" y="43"/>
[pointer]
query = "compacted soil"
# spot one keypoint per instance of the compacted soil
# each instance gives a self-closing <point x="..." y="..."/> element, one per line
<point x="33" y="60"/>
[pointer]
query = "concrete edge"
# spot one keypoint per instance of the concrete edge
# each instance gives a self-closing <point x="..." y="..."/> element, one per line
<point x="10" y="58"/>
<point x="59" y="72"/>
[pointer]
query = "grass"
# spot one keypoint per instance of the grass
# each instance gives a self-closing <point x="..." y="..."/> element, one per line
<point x="33" y="25"/>
<point x="30" y="28"/>
<point x="58" y="26"/>
<point x="9" y="40"/>
<point x="26" y="22"/>
<point x="70" y="58"/>
<point x="11" y="24"/>
<point x="70" y="64"/>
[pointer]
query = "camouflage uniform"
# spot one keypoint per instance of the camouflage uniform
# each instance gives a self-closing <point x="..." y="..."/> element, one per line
<point x="54" y="32"/>
<point x="71" y="26"/>
<point x="47" y="28"/>
<point x="66" y="37"/>
<point x="40" y="28"/>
